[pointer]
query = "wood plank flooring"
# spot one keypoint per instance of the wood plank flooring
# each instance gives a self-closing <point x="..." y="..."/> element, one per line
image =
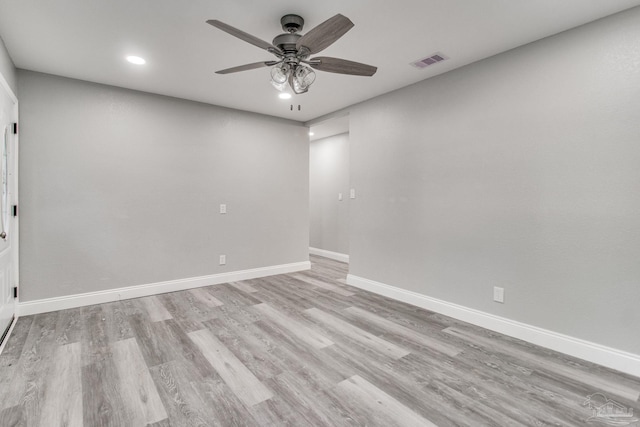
<point x="303" y="349"/>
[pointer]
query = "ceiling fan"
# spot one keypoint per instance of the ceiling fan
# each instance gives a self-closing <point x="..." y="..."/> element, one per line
<point x="293" y="50"/>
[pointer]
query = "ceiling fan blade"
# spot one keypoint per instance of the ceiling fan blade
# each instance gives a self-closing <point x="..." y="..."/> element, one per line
<point x="247" y="67"/>
<point x="342" y="66"/>
<point x="243" y="36"/>
<point x="322" y="36"/>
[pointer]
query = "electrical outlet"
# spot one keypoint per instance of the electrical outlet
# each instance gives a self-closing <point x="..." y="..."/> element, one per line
<point x="498" y="294"/>
<point x="223" y="209"/>
<point x="223" y="259"/>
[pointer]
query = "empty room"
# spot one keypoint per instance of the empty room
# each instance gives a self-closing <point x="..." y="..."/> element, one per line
<point x="362" y="213"/>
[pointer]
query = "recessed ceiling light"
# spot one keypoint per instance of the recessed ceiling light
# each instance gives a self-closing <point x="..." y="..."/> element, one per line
<point x="284" y="95"/>
<point x="311" y="134"/>
<point x="136" y="60"/>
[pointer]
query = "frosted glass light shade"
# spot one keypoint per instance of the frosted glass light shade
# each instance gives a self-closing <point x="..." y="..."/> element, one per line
<point x="280" y="74"/>
<point x="278" y="86"/>
<point x="303" y="78"/>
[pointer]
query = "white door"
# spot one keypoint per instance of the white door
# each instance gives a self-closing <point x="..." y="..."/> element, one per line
<point x="8" y="198"/>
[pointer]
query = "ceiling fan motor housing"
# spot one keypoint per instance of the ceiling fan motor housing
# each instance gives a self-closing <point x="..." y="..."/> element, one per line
<point x="292" y="23"/>
<point x="286" y="42"/>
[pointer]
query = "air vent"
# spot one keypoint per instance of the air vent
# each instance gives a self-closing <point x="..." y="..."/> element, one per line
<point x="430" y="60"/>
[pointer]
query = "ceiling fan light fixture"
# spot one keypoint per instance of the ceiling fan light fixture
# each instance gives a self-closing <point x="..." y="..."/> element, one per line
<point x="279" y="86"/>
<point x="303" y="78"/>
<point x="280" y="76"/>
<point x="280" y="73"/>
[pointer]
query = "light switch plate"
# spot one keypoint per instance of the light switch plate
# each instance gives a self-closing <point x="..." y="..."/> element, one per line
<point x="352" y="193"/>
<point x="223" y="209"/>
<point x="339" y="196"/>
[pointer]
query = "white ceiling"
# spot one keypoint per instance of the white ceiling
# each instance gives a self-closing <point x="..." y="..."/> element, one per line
<point x="88" y="40"/>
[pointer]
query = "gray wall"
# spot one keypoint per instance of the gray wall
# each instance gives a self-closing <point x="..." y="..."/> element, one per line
<point x="329" y="175"/>
<point x="520" y="171"/>
<point x="7" y="69"/>
<point x="122" y="188"/>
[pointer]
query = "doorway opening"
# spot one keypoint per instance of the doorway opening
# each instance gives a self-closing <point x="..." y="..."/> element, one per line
<point x="329" y="188"/>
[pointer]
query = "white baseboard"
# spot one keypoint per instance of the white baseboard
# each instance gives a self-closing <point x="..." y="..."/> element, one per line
<point x="328" y="254"/>
<point x="79" y="300"/>
<point x="586" y="350"/>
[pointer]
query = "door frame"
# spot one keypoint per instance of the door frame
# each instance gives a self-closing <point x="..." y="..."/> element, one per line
<point x="13" y="200"/>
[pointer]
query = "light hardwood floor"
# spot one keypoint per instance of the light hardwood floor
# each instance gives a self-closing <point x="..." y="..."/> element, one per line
<point x="293" y="350"/>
